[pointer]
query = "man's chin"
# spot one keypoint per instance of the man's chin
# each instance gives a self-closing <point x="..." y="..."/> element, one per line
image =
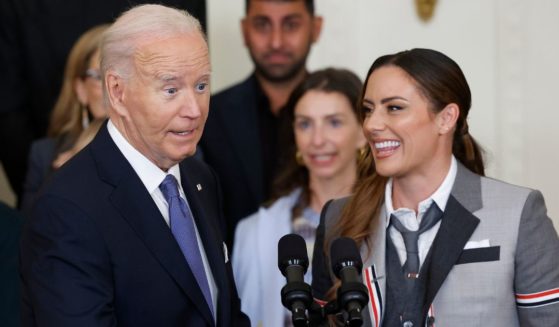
<point x="277" y="73"/>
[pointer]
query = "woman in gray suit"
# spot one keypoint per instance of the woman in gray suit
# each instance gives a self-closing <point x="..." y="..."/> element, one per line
<point x="441" y="244"/>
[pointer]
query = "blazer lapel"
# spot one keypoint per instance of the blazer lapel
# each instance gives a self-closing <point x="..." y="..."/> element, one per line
<point x="136" y="206"/>
<point x="457" y="226"/>
<point x="213" y="245"/>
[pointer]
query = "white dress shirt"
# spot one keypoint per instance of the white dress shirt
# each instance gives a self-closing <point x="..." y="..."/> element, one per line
<point x="411" y="221"/>
<point x="152" y="176"/>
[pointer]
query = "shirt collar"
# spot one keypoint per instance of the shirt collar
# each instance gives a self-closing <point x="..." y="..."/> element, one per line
<point x="440" y="196"/>
<point x="150" y="175"/>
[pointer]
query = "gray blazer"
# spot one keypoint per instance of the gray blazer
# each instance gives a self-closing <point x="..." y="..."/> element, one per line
<point x="495" y="259"/>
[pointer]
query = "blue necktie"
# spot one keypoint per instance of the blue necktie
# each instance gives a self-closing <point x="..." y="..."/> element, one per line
<point x="182" y="227"/>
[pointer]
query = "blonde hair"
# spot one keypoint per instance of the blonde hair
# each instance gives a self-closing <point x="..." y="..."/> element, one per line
<point x="84" y="139"/>
<point x="66" y="116"/>
<point x="138" y="24"/>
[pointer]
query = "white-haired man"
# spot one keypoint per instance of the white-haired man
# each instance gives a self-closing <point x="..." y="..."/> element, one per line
<point x="127" y="232"/>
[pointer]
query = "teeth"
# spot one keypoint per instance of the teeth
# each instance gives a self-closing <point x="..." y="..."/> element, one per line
<point x="183" y="133"/>
<point x="324" y="157"/>
<point x="386" y="144"/>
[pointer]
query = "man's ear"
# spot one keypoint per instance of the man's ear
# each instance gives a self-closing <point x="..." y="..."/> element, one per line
<point x="316" y="28"/>
<point x="447" y="118"/>
<point x="115" y="92"/>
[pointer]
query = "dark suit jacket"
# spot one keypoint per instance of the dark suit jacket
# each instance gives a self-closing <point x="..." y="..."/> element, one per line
<point x="39" y="167"/>
<point x="10" y="231"/>
<point x="97" y="252"/>
<point x="231" y="146"/>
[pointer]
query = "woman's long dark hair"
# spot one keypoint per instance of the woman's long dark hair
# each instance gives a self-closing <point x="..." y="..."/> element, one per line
<point x="293" y="175"/>
<point x="442" y="82"/>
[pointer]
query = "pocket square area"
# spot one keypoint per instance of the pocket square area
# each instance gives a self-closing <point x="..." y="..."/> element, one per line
<point x="477" y="244"/>
<point x="484" y="254"/>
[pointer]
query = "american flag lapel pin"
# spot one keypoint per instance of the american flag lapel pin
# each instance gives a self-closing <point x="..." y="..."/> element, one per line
<point x="199" y="187"/>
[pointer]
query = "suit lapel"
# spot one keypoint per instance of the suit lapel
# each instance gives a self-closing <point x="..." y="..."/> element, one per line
<point x="136" y="206"/>
<point x="457" y="226"/>
<point x="245" y="140"/>
<point x="213" y="246"/>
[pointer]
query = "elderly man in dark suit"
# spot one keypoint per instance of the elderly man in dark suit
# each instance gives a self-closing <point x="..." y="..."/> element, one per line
<point x="127" y="232"/>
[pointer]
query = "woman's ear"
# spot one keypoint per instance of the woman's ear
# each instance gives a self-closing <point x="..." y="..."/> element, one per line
<point x="79" y="88"/>
<point x="447" y="118"/>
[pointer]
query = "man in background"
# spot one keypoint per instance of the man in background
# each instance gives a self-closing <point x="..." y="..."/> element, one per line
<point x="241" y="135"/>
<point x="127" y="232"/>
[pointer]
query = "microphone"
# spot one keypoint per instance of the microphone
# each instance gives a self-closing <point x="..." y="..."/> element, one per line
<point x="346" y="264"/>
<point x="293" y="262"/>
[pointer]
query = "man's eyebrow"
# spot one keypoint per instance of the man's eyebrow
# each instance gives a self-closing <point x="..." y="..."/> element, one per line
<point x="166" y="77"/>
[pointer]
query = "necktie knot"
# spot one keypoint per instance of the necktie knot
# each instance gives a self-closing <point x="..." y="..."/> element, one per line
<point x="169" y="187"/>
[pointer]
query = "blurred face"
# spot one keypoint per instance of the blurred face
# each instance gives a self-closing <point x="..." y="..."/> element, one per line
<point x="89" y="90"/>
<point x="327" y="134"/>
<point x="162" y="108"/>
<point x="405" y="136"/>
<point x="278" y="35"/>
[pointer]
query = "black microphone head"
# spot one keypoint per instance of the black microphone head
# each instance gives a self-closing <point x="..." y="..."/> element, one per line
<point x="292" y="250"/>
<point x="344" y="253"/>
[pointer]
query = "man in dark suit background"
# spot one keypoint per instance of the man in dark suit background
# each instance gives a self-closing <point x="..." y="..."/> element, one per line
<point x="104" y="246"/>
<point x="241" y="135"/>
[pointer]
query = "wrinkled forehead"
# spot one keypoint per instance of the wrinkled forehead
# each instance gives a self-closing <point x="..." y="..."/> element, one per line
<point x="180" y="53"/>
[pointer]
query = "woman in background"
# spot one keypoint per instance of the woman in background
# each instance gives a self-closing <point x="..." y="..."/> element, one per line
<point x="441" y="244"/>
<point x="80" y="101"/>
<point x="322" y="148"/>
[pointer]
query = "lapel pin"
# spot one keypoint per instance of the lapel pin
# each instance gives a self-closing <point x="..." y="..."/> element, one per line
<point x="199" y="187"/>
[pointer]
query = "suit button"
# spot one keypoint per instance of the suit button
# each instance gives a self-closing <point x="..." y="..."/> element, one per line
<point x="407" y="324"/>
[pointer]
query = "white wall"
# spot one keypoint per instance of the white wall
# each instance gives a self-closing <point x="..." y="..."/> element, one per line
<point x="508" y="50"/>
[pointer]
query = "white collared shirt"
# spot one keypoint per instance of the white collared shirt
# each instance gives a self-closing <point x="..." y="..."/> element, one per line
<point x="411" y="221"/>
<point x="152" y="176"/>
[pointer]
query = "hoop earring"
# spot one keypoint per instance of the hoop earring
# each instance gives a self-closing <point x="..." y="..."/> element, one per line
<point x="299" y="158"/>
<point x="362" y="153"/>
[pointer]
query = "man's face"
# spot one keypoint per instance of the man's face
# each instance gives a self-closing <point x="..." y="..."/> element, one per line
<point x="162" y="108"/>
<point x="278" y="35"/>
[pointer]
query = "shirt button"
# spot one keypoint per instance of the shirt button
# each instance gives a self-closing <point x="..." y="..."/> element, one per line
<point x="407" y="324"/>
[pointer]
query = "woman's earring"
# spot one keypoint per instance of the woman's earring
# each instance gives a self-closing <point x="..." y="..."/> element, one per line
<point x="299" y="158"/>
<point x="362" y="153"/>
<point x="85" y="116"/>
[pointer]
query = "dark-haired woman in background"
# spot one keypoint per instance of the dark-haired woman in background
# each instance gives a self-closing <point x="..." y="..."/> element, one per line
<point x="441" y="244"/>
<point x="323" y="143"/>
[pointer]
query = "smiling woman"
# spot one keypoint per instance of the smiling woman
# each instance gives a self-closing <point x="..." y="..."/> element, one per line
<point x="424" y="207"/>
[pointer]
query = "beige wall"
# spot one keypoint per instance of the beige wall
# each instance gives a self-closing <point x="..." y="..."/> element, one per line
<point x="508" y="50"/>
